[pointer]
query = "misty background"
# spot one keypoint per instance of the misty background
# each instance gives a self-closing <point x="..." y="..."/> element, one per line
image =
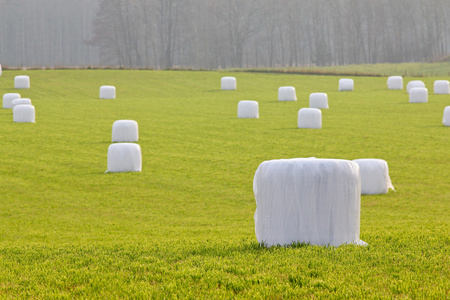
<point x="212" y="34"/>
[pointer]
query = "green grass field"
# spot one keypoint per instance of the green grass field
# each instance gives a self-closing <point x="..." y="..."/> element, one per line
<point x="184" y="227"/>
<point x="401" y="69"/>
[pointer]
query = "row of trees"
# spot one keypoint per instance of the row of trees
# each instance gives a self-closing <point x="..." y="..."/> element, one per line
<point x="268" y="33"/>
<point x="47" y="33"/>
<point x="221" y="33"/>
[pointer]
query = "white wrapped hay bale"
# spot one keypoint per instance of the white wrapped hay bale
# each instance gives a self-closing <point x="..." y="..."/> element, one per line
<point x="125" y="131"/>
<point x="0" y="70"/>
<point x="318" y="100"/>
<point x="346" y="84"/>
<point x="418" y="95"/>
<point x="395" y="82"/>
<point x="309" y="118"/>
<point x="8" y="98"/>
<point x="374" y="176"/>
<point x="248" y="109"/>
<point x="21" y="101"/>
<point x="446" y="118"/>
<point x="287" y="93"/>
<point x="22" y="82"/>
<point x="124" y="157"/>
<point x="307" y="200"/>
<point x="107" y="92"/>
<point x="413" y="84"/>
<point x="442" y="87"/>
<point x="24" y="113"/>
<point x="228" y="83"/>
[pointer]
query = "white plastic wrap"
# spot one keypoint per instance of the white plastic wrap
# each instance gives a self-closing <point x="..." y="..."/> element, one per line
<point x="395" y="83"/>
<point x="418" y="95"/>
<point x="446" y="118"/>
<point x="308" y="200"/>
<point x="414" y="84"/>
<point x="374" y="176"/>
<point x="346" y="84"/>
<point x="21" y="101"/>
<point x="318" y="100"/>
<point x="24" y="113"/>
<point x="124" y="157"/>
<point x="107" y="92"/>
<point x="8" y="99"/>
<point x="248" y="109"/>
<point x="442" y="87"/>
<point x="309" y="118"/>
<point x="125" y="131"/>
<point x="287" y="93"/>
<point x="228" y="83"/>
<point x="0" y="70"/>
<point x="22" y="82"/>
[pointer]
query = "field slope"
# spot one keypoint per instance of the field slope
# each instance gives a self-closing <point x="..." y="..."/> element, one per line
<point x="183" y="227"/>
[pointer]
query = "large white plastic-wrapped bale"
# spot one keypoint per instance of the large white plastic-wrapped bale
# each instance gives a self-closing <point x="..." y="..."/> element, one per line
<point x="318" y="100"/>
<point x="124" y="157"/>
<point x="309" y="118"/>
<point x="413" y="84"/>
<point x="8" y="98"/>
<point x="374" y="176"/>
<point x="307" y="200"/>
<point x="107" y="92"/>
<point x="24" y="113"/>
<point x="125" y="131"/>
<point x="228" y="83"/>
<point x="21" y="101"/>
<point x="248" y="109"/>
<point x="446" y="118"/>
<point x="442" y="87"/>
<point x="346" y="84"/>
<point x="395" y="82"/>
<point x="287" y="93"/>
<point x="22" y="82"/>
<point x="418" y="95"/>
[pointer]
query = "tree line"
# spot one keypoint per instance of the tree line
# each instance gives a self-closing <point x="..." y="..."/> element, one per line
<point x="211" y="34"/>
<point x="47" y="33"/>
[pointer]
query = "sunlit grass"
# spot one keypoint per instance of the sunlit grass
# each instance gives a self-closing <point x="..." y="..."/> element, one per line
<point x="184" y="225"/>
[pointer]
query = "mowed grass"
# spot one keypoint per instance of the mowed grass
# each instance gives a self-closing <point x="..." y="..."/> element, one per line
<point x="184" y="227"/>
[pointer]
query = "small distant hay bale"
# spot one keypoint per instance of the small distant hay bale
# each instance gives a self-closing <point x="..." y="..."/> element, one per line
<point x="228" y="83"/>
<point x="107" y="92"/>
<point x="125" y="131"/>
<point x="318" y="100"/>
<point x="8" y="99"/>
<point x="0" y="70"/>
<point x="418" y="95"/>
<point x="24" y="113"/>
<point x="414" y="84"/>
<point x="446" y="118"/>
<point x="374" y="176"/>
<point x="124" y="157"/>
<point x="22" y="82"/>
<point x="287" y="93"/>
<point x="307" y="200"/>
<point x="21" y="101"/>
<point x="248" y="109"/>
<point x="395" y="83"/>
<point x="309" y="118"/>
<point x="441" y="87"/>
<point x="346" y="84"/>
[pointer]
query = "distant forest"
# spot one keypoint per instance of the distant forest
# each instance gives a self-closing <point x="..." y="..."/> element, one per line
<point x="212" y="34"/>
